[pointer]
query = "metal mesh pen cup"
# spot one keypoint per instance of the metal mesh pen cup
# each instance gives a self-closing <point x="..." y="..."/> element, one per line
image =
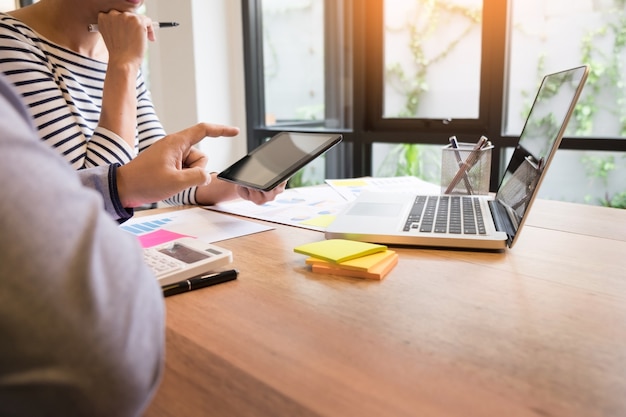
<point x="464" y="170"/>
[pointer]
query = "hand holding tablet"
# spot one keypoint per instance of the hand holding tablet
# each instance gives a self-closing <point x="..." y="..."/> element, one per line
<point x="276" y="160"/>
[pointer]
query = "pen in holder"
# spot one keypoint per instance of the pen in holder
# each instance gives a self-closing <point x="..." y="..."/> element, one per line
<point x="466" y="167"/>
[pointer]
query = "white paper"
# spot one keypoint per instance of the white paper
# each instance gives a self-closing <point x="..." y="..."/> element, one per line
<point x="197" y="222"/>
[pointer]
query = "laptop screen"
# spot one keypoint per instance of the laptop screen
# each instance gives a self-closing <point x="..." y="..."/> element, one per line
<point x="539" y="140"/>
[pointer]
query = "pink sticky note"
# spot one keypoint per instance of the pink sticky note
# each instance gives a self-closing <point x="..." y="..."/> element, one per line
<point x="157" y="237"/>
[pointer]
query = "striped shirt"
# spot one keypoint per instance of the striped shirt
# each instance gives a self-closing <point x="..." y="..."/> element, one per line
<point x="63" y="92"/>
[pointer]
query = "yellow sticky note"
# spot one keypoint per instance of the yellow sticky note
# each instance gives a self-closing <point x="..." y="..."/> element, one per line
<point x="321" y="221"/>
<point x="348" y="183"/>
<point x="339" y="250"/>
<point x="364" y="263"/>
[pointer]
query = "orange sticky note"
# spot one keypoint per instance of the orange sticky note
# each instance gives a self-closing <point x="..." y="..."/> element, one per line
<point x="379" y="272"/>
<point x="363" y="263"/>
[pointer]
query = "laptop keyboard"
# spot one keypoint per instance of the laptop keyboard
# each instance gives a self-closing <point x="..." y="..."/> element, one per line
<point x="446" y="214"/>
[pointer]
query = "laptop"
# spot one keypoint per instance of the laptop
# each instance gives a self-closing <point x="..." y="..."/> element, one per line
<point x="472" y="221"/>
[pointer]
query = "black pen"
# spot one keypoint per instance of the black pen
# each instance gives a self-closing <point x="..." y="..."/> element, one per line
<point x="156" y="25"/>
<point x="200" y="282"/>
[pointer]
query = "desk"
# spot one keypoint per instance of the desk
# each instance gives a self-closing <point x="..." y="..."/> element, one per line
<point x="538" y="330"/>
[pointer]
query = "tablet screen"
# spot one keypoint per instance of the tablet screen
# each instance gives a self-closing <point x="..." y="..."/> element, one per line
<point x="278" y="159"/>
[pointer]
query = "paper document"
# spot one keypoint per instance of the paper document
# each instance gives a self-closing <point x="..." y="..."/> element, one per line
<point x="307" y="207"/>
<point x="195" y="222"/>
<point x="351" y="188"/>
<point x="315" y="207"/>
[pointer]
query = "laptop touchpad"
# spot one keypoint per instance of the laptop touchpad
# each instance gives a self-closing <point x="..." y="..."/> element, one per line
<point x="375" y="209"/>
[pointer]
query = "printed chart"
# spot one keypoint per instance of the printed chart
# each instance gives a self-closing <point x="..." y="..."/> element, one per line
<point x="195" y="222"/>
<point x="316" y="207"/>
<point x="307" y="207"/>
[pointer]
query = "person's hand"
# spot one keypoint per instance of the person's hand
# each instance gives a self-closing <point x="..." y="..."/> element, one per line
<point x="260" y="197"/>
<point x="219" y="191"/>
<point x="126" y="36"/>
<point x="168" y="166"/>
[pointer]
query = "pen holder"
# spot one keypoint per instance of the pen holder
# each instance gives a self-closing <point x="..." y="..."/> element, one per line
<point x="465" y="170"/>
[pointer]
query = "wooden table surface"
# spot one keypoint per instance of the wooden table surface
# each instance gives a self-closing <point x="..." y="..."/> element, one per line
<point x="538" y="330"/>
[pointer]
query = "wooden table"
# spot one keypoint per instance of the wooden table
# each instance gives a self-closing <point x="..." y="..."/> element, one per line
<point x="538" y="330"/>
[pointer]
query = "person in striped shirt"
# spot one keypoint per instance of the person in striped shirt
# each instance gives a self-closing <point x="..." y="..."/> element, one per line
<point x="85" y="90"/>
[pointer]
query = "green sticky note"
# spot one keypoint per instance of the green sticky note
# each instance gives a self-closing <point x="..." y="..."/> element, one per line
<point x="339" y="250"/>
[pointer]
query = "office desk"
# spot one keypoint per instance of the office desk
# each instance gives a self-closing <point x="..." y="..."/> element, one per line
<point x="538" y="330"/>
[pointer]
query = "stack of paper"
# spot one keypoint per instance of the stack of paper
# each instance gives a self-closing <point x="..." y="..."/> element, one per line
<point x="349" y="258"/>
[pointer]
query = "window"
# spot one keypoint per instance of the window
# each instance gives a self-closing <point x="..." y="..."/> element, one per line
<point x="432" y="56"/>
<point x="398" y="77"/>
<point x="285" y="53"/>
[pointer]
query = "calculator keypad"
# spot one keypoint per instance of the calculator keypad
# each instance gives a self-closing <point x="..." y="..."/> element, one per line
<point x="159" y="263"/>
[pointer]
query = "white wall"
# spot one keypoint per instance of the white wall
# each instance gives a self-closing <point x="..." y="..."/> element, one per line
<point x="196" y="71"/>
<point x="7" y="5"/>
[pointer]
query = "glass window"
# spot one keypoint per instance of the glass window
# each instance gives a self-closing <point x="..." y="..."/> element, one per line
<point x="432" y="58"/>
<point x="293" y="58"/>
<point x="303" y="63"/>
<point x="587" y="177"/>
<point x="551" y="35"/>
<point x="299" y="69"/>
<point x="398" y="77"/>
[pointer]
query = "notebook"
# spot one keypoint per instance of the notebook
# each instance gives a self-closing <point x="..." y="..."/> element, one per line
<point x="486" y="221"/>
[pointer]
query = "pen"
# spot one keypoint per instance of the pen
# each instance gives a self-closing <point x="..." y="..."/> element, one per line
<point x="469" y="162"/>
<point x="455" y="145"/>
<point x="200" y="282"/>
<point x="94" y="26"/>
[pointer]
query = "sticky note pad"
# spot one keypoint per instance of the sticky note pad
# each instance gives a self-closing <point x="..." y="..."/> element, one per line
<point x="379" y="272"/>
<point x="339" y="250"/>
<point x="363" y="263"/>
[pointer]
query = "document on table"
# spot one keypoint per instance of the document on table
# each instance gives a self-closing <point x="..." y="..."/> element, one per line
<point x="351" y="188"/>
<point x="195" y="222"/>
<point x="307" y="207"/>
<point x="316" y="207"/>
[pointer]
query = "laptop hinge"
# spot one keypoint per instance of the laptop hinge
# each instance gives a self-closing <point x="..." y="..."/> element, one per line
<point x="502" y="220"/>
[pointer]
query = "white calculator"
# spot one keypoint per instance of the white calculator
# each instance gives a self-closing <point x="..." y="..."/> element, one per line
<point x="185" y="258"/>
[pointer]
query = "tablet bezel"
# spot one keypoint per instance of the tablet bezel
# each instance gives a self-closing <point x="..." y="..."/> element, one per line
<point x="233" y="172"/>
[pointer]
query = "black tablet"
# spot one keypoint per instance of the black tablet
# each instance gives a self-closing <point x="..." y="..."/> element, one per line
<point x="278" y="159"/>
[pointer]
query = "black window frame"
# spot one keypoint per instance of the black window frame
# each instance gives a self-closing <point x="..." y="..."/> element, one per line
<point x="362" y="30"/>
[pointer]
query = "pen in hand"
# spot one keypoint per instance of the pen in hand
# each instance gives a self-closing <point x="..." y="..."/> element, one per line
<point x="156" y="25"/>
<point x="200" y="282"/>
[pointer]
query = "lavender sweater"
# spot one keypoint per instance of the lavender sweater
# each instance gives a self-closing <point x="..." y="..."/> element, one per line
<point x="81" y="316"/>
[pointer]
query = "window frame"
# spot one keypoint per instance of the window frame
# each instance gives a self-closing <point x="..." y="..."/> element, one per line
<point x="363" y="30"/>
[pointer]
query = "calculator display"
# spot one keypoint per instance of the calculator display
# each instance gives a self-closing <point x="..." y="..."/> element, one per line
<point x="183" y="253"/>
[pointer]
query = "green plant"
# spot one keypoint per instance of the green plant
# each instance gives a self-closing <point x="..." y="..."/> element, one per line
<point x="411" y="159"/>
<point x="297" y="180"/>
<point x="618" y="200"/>
<point x="600" y="168"/>
<point x="307" y="176"/>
